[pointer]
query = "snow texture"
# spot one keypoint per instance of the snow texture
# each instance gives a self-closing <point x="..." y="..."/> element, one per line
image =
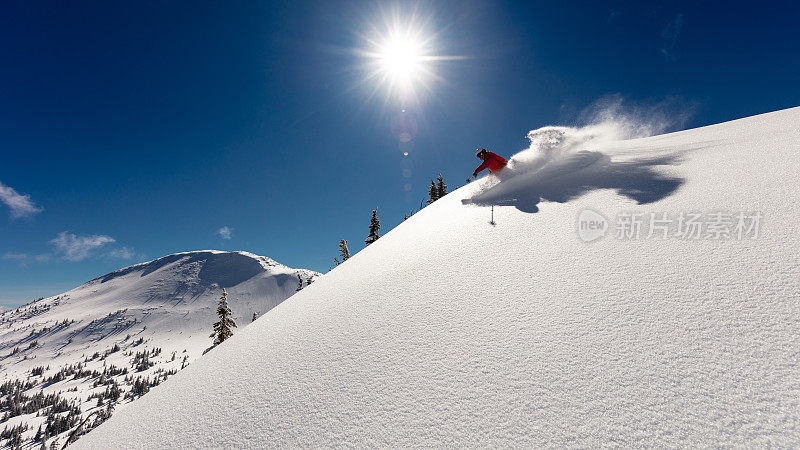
<point x="521" y="334"/>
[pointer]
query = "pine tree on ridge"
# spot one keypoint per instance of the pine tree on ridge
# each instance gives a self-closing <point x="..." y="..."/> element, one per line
<point x="374" y="226"/>
<point x="432" y="193"/>
<point x="344" y="252"/>
<point x="222" y="329"/>
<point x="441" y="188"/>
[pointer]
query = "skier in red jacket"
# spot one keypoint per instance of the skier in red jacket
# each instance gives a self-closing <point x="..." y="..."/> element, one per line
<point x="491" y="161"/>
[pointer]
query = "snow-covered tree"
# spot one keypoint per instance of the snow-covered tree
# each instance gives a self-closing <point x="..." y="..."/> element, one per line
<point x="441" y="188"/>
<point x="222" y="329"/>
<point x="374" y="226"/>
<point x="299" y="283"/>
<point x="344" y="252"/>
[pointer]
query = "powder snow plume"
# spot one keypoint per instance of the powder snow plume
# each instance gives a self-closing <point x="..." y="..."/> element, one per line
<point x="563" y="163"/>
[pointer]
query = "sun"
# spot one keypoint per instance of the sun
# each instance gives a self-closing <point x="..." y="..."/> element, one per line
<point x="400" y="55"/>
<point x="401" y="58"/>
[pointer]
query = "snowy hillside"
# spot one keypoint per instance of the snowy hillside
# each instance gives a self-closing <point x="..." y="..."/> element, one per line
<point x="680" y="327"/>
<point x="143" y="322"/>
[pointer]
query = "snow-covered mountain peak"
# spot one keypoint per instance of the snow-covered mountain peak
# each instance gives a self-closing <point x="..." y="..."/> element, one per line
<point x="215" y="267"/>
<point x="158" y="295"/>
<point x="130" y="329"/>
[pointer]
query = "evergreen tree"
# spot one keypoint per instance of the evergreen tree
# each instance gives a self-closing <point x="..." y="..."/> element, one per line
<point x="432" y="193"/>
<point x="374" y="226"/>
<point x="222" y="329"/>
<point x="441" y="188"/>
<point x="299" y="283"/>
<point x="343" y="250"/>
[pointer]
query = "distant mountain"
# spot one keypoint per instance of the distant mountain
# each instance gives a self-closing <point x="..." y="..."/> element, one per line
<point x="452" y="331"/>
<point x="143" y="322"/>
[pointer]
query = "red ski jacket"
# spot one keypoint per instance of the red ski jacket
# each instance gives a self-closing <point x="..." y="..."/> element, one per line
<point x="493" y="162"/>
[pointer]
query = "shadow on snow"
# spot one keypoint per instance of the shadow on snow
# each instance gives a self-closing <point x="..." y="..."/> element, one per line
<point x="577" y="174"/>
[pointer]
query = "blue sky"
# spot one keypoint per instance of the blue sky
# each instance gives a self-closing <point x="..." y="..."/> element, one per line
<point x="131" y="131"/>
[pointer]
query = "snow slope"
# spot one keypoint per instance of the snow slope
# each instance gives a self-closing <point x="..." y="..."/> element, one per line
<point x="520" y="333"/>
<point x="168" y="304"/>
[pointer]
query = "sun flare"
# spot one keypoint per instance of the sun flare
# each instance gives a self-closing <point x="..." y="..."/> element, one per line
<point x="401" y="59"/>
<point x="401" y="56"/>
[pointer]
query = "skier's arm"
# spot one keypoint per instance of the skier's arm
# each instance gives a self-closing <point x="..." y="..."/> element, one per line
<point x="483" y="165"/>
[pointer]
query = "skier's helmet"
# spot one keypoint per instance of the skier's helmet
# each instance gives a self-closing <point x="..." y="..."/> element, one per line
<point x="480" y="153"/>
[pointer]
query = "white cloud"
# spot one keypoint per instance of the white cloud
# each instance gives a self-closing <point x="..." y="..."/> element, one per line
<point x="24" y="258"/>
<point x="20" y="205"/>
<point x="225" y="232"/>
<point x="15" y="256"/>
<point x="78" y="248"/>
<point x="121" y="253"/>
